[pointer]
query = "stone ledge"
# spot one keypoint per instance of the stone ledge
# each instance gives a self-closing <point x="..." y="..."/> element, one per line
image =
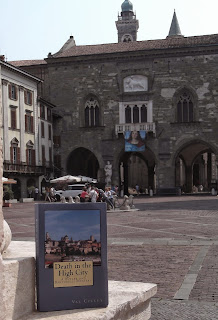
<point x="127" y="300"/>
<point x="22" y="200"/>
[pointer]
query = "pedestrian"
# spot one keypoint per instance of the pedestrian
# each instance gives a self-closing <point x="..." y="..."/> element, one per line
<point x="52" y="193"/>
<point x="137" y="189"/>
<point x="93" y="194"/>
<point x="47" y="194"/>
<point x="36" y="194"/>
<point x="107" y="198"/>
<point x="84" y="195"/>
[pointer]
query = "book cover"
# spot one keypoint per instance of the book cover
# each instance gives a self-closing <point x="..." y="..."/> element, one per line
<point x="71" y="256"/>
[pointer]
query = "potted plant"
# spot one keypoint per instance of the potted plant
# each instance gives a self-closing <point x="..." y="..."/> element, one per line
<point x="7" y="195"/>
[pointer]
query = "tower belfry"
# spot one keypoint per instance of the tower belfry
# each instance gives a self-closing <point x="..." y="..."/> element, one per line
<point x="127" y="24"/>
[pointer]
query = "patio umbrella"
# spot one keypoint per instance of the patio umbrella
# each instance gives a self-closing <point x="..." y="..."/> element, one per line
<point x="66" y="179"/>
<point x="88" y="179"/>
<point x="8" y="181"/>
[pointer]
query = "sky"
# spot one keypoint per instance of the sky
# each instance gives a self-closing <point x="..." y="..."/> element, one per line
<point x="32" y="29"/>
<point x="79" y="225"/>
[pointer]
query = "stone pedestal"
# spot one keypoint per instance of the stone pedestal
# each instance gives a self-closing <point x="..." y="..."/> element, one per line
<point x="127" y="300"/>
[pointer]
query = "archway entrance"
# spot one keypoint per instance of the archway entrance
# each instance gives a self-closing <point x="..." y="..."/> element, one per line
<point x="16" y="188"/>
<point x="83" y="162"/>
<point x="137" y="168"/>
<point x="196" y="168"/>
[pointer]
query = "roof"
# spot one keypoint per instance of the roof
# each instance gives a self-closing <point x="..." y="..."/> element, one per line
<point x="167" y="43"/>
<point x="174" y="28"/>
<point x="14" y="68"/>
<point x="19" y="63"/>
<point x="125" y="47"/>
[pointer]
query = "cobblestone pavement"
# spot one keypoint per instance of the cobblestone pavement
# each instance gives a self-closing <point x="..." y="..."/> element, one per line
<point x="171" y="241"/>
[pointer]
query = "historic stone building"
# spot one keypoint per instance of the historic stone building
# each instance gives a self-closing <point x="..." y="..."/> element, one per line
<point x="168" y="87"/>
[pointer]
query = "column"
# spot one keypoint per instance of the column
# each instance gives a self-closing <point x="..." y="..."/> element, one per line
<point x="22" y="125"/>
<point x="189" y="179"/>
<point x="205" y="170"/>
<point x="36" y="121"/>
<point x="6" y="147"/>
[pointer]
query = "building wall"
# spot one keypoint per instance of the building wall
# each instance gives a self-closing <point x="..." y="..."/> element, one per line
<point x="69" y="83"/>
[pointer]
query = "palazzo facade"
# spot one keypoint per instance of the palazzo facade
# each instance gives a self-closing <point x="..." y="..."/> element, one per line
<point x="167" y="87"/>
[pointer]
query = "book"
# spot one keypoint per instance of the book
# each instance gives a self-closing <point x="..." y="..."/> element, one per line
<point x="71" y="256"/>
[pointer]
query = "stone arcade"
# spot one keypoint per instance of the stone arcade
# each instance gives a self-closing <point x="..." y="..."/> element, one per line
<point x="166" y="87"/>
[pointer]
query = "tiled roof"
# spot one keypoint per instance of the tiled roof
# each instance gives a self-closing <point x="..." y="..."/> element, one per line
<point x="171" y="42"/>
<point x="168" y="43"/>
<point x="27" y="62"/>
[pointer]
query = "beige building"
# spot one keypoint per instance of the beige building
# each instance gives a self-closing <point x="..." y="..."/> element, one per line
<point x="26" y="129"/>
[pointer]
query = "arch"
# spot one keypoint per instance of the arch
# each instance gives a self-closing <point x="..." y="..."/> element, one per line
<point x="137" y="168"/>
<point x="127" y="38"/>
<point x="195" y="165"/>
<point x="82" y="161"/>
<point x="16" y="188"/>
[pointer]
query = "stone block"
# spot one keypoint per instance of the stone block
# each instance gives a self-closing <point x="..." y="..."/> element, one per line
<point x="26" y="200"/>
<point x="127" y="300"/>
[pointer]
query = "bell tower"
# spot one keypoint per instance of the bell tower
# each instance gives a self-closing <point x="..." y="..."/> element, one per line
<point x="127" y="24"/>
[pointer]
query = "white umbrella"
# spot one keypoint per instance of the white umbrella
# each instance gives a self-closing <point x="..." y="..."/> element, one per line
<point x="88" y="179"/>
<point x="8" y="181"/>
<point x="66" y="179"/>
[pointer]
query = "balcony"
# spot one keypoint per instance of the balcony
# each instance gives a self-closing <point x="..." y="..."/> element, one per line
<point x="147" y="126"/>
<point x="23" y="169"/>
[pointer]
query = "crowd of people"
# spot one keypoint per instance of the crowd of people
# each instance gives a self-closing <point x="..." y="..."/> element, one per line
<point x="94" y="194"/>
<point x="90" y="193"/>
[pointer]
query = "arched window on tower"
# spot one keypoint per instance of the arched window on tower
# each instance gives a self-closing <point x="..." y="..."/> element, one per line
<point x="92" y="113"/>
<point x="185" y="107"/>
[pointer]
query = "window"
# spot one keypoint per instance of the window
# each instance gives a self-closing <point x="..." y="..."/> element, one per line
<point x="43" y="155"/>
<point x="126" y="38"/>
<point x="128" y="114"/>
<point x="144" y="114"/>
<point x="50" y="156"/>
<point x="185" y="108"/>
<point x="49" y="132"/>
<point x="28" y="122"/>
<point x="15" y="151"/>
<point x="57" y="141"/>
<point x="92" y="113"/>
<point x="136" y="113"/>
<point x="13" y="118"/>
<point x="30" y="154"/>
<point x="12" y="91"/>
<point x="42" y="130"/>
<point x="28" y="97"/>
<point x="42" y="111"/>
<point x="49" y="118"/>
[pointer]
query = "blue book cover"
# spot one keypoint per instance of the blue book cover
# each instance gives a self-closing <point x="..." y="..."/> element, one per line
<point x="71" y="256"/>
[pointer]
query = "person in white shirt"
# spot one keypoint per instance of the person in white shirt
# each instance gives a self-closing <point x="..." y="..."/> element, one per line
<point x="93" y="194"/>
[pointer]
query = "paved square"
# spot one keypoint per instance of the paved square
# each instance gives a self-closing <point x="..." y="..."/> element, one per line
<point x="171" y="241"/>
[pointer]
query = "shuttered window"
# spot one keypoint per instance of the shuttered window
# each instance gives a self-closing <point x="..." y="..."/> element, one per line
<point x="29" y="123"/>
<point x="28" y="97"/>
<point x="12" y="91"/>
<point x="13" y="119"/>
